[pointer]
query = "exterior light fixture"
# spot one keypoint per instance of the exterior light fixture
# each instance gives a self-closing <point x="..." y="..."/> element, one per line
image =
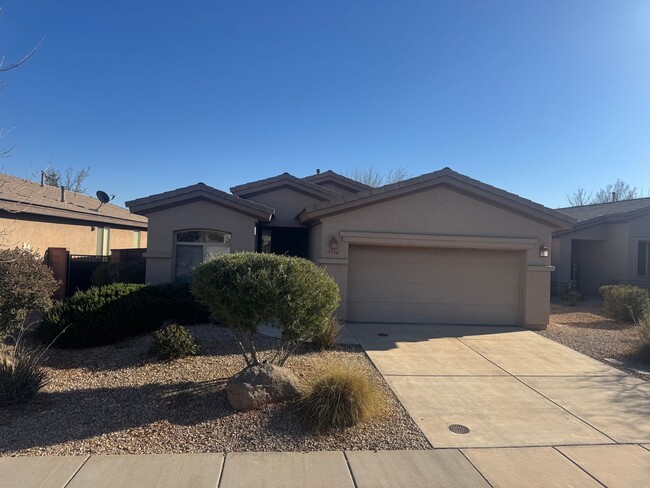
<point x="543" y="251"/>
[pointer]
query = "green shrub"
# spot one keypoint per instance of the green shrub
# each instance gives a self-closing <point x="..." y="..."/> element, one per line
<point x="572" y="297"/>
<point x="26" y="284"/>
<point x="109" y="314"/>
<point x="21" y="374"/>
<point x="326" y="338"/>
<point x="245" y="290"/>
<point x="172" y="342"/>
<point x="339" y="399"/>
<point x="625" y="303"/>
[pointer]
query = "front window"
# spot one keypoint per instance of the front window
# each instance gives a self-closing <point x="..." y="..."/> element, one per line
<point x="643" y="259"/>
<point x="196" y="246"/>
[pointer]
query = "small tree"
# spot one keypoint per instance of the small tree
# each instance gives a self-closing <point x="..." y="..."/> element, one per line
<point x="26" y="284"/>
<point x="246" y="290"/>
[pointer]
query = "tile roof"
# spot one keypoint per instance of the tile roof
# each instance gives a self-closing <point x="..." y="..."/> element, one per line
<point x="253" y="187"/>
<point x="332" y="176"/>
<point x="622" y="208"/>
<point x="18" y="195"/>
<point x="199" y="190"/>
<point x="387" y="191"/>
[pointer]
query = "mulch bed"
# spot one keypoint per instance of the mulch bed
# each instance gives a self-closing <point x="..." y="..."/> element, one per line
<point x="117" y="400"/>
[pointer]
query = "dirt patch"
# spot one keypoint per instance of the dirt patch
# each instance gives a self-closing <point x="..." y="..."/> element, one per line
<point x="585" y="329"/>
<point x="116" y="400"/>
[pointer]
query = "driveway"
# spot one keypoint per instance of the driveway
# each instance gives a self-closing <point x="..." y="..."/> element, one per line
<point x="509" y="386"/>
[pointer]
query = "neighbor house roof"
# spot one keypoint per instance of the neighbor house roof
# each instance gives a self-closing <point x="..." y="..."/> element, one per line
<point x="589" y="215"/>
<point x="20" y="196"/>
<point x="199" y="192"/>
<point x="445" y="177"/>
<point x="338" y="180"/>
<point x="621" y="208"/>
<point x="285" y="180"/>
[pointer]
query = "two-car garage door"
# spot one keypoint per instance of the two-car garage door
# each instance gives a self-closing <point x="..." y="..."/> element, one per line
<point x="434" y="285"/>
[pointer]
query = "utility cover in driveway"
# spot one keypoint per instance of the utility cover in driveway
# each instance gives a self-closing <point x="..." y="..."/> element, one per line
<point x="434" y="285"/>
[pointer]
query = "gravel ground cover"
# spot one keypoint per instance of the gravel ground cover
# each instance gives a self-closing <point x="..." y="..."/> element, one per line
<point x="585" y="329"/>
<point x="116" y="400"/>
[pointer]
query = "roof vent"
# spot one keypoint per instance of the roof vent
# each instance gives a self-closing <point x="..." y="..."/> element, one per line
<point x="63" y="194"/>
<point x="42" y="179"/>
<point x="317" y="171"/>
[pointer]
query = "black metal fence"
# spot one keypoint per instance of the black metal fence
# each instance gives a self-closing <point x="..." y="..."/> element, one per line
<point x="81" y="269"/>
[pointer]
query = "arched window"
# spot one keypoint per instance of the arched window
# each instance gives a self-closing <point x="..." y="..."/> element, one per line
<point x="195" y="246"/>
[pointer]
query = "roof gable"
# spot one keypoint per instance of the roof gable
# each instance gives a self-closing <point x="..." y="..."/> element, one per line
<point x="285" y="180"/>
<point x="339" y="181"/>
<point x="22" y="196"/>
<point x="444" y="177"/>
<point x="199" y="192"/>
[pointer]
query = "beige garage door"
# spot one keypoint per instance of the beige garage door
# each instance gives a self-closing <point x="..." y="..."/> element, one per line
<point x="437" y="286"/>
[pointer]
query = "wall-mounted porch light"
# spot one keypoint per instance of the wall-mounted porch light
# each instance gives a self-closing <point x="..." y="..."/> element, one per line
<point x="543" y="251"/>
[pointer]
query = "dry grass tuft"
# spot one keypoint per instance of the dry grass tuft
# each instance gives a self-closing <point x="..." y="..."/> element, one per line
<point x="340" y="398"/>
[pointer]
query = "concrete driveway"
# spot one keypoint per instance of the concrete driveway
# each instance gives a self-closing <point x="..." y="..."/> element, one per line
<point x="509" y="386"/>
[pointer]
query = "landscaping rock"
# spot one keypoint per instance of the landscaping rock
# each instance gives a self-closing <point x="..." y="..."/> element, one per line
<point x="260" y="385"/>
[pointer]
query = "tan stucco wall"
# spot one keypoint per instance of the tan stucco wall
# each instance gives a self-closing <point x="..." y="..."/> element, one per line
<point x="287" y="202"/>
<point x="443" y="212"/>
<point x="197" y="215"/>
<point x="77" y="238"/>
<point x="607" y="253"/>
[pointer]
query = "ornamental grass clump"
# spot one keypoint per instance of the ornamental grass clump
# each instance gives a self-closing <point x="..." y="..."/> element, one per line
<point x="21" y="374"/>
<point x="173" y="342"/>
<point x="326" y="339"/>
<point x="339" y="399"/>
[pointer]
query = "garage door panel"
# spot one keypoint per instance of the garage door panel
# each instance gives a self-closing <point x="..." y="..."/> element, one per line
<point x="416" y="293"/>
<point x="427" y="273"/>
<point x="419" y="285"/>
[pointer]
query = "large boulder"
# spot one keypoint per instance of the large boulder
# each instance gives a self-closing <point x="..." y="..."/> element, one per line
<point x="260" y="385"/>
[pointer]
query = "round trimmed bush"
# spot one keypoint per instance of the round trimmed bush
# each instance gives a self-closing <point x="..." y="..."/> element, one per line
<point x="245" y="290"/>
<point x="625" y="303"/>
<point x="339" y="399"/>
<point x="173" y="342"/>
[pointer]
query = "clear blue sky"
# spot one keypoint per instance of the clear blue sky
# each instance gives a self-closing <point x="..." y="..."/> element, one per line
<point x="537" y="98"/>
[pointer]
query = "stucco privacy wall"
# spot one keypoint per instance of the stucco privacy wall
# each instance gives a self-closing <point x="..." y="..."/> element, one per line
<point x="77" y="238"/>
<point x="429" y="217"/>
<point x="195" y="215"/>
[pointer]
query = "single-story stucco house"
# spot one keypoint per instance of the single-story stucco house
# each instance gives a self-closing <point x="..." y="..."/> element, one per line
<point x="440" y="248"/>
<point x="38" y="216"/>
<point x="610" y="243"/>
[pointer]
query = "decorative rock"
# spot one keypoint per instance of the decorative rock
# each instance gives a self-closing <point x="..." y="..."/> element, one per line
<point x="257" y="386"/>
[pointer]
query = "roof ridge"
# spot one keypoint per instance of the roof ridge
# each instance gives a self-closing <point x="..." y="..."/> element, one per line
<point x="284" y="176"/>
<point x="604" y="203"/>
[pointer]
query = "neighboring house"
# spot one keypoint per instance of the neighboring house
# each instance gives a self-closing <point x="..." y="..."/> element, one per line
<point x="39" y="216"/>
<point x="609" y="244"/>
<point x="439" y="248"/>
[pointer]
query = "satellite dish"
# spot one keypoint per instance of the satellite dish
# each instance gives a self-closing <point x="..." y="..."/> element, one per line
<point x="103" y="198"/>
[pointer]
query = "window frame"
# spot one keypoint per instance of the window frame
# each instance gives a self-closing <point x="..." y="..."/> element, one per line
<point x="227" y="237"/>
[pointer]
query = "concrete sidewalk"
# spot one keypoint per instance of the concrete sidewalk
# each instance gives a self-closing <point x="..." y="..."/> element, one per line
<point x="614" y="466"/>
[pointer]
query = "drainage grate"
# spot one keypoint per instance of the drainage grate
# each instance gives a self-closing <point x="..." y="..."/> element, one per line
<point x="382" y="334"/>
<point x="458" y="429"/>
